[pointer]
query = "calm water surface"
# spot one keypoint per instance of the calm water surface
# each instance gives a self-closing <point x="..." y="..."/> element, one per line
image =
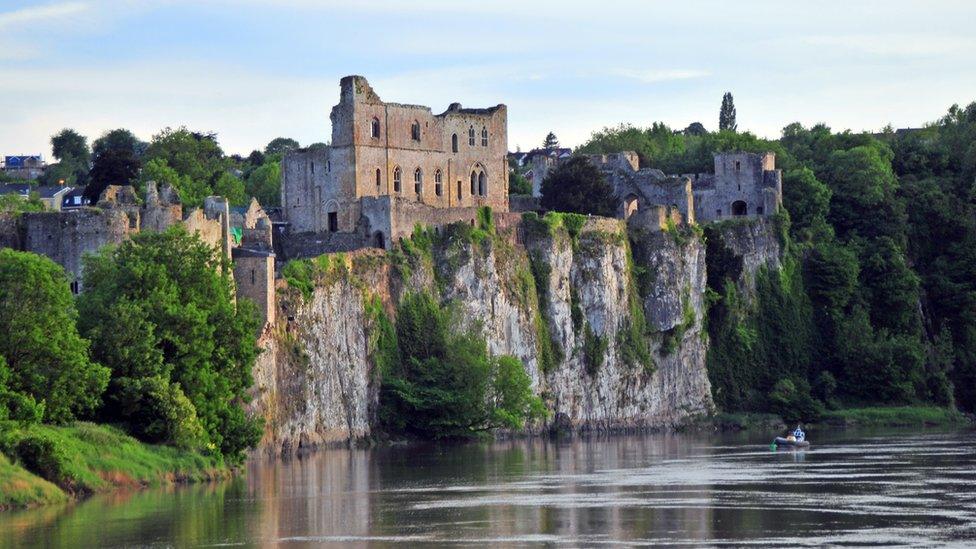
<point x="850" y="488"/>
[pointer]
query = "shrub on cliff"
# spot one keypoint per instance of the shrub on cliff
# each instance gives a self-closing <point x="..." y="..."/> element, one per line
<point x="576" y="185"/>
<point x="443" y="383"/>
<point x="161" y="307"/>
<point x="46" y="360"/>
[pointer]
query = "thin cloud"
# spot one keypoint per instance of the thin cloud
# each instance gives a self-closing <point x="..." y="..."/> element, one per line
<point x="652" y="76"/>
<point x="897" y="44"/>
<point x="41" y="13"/>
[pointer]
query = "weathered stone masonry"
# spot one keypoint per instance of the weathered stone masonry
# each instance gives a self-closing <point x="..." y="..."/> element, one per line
<point x="391" y="166"/>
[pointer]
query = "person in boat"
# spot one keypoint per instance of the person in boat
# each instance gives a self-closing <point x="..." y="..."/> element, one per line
<point x="798" y="434"/>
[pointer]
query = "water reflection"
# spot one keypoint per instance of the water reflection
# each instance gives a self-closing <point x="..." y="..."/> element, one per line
<point x="850" y="488"/>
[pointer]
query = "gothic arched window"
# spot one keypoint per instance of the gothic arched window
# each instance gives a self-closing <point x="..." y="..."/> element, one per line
<point x="484" y="136"/>
<point x="438" y="187"/>
<point x="454" y="144"/>
<point x="415" y="131"/>
<point x="396" y="179"/>
<point x="418" y="181"/>
<point x="471" y="136"/>
<point x="374" y="128"/>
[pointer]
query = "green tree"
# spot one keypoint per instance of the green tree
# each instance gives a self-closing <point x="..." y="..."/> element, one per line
<point x="264" y="183"/>
<point x="551" y="142"/>
<point x="576" y="185"/>
<point x="195" y="157"/>
<point x="808" y="201"/>
<point x="46" y="357"/>
<point x="440" y="381"/>
<point x="161" y="305"/>
<point x="726" y="115"/>
<point x="518" y="184"/>
<point x="231" y="187"/>
<point x="280" y="145"/>
<point x="71" y="150"/>
<point x="111" y="167"/>
<point x="69" y="145"/>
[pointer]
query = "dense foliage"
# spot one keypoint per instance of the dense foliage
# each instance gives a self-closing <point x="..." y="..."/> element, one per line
<point x="45" y="370"/>
<point x="160" y="313"/>
<point x="876" y="303"/>
<point x="440" y="382"/>
<point x="578" y="186"/>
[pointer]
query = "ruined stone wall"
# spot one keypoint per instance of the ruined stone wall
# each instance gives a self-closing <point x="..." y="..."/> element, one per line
<point x="254" y="279"/>
<point x="66" y="237"/>
<point x="743" y="185"/>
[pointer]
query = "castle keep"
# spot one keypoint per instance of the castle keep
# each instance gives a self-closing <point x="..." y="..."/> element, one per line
<point x="391" y="166"/>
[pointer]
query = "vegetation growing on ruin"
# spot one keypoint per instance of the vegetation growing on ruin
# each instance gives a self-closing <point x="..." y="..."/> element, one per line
<point x="443" y="383"/>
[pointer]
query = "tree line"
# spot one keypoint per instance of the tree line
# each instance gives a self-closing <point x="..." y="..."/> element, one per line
<point x="190" y="161"/>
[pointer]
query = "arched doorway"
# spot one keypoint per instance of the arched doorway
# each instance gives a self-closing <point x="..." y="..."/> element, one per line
<point x="739" y="208"/>
<point x="630" y="205"/>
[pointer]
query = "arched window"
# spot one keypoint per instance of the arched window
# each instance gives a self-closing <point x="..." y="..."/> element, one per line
<point x="471" y="136"/>
<point x="418" y="181"/>
<point x="482" y="184"/>
<point x="379" y="179"/>
<point x="454" y="146"/>
<point x="396" y="179"/>
<point x="484" y="136"/>
<point x="415" y="131"/>
<point x="474" y="183"/>
<point x="438" y="188"/>
<point x="374" y="128"/>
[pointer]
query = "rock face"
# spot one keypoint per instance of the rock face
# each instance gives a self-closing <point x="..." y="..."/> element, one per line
<point x="608" y="323"/>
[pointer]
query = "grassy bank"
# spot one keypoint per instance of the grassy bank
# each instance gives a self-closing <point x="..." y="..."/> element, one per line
<point x="20" y="488"/>
<point x="899" y="416"/>
<point x="46" y="464"/>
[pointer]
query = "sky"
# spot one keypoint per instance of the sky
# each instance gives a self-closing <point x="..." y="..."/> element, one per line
<point x="253" y="70"/>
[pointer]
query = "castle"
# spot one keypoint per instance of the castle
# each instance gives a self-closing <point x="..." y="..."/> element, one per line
<point x="743" y="184"/>
<point x="391" y="166"/>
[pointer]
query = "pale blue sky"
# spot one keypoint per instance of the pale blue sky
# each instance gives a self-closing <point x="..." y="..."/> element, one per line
<point x="252" y="70"/>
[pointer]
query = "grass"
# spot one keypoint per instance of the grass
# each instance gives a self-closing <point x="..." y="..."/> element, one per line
<point x="898" y="416"/>
<point x="84" y="458"/>
<point x="20" y="488"/>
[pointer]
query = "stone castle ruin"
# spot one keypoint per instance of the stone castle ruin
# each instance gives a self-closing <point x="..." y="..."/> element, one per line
<point x="65" y="237"/>
<point x="743" y="184"/>
<point x="391" y="166"/>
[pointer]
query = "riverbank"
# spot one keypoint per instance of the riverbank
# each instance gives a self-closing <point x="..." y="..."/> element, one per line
<point x="898" y="416"/>
<point x="878" y="416"/>
<point x="43" y="464"/>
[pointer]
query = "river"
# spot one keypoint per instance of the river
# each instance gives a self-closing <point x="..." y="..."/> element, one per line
<point x="851" y="488"/>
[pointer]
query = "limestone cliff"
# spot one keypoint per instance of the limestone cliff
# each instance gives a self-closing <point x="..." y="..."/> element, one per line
<point x="608" y="323"/>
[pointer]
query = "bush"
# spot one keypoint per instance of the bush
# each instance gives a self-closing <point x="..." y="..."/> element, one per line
<point x="45" y="456"/>
<point x="443" y="384"/>
<point x="792" y="401"/>
<point x="158" y="412"/>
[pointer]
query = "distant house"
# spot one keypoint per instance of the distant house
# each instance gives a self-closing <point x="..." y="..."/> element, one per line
<point x="52" y="196"/>
<point x="74" y="199"/>
<point x="24" y="166"/>
<point x="20" y="189"/>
